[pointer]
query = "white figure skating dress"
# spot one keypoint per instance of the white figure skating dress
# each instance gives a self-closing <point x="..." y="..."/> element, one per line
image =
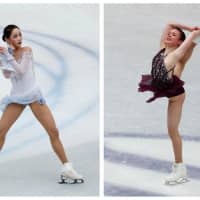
<point x="25" y="89"/>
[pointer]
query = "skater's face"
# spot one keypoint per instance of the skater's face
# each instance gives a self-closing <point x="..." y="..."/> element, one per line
<point x="173" y="38"/>
<point x="15" y="38"/>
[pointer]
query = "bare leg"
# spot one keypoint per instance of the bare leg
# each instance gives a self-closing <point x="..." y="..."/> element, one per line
<point x="174" y="117"/>
<point x="9" y="116"/>
<point x="44" y="116"/>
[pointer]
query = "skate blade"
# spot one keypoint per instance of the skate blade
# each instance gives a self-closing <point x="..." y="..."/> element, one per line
<point x="179" y="181"/>
<point x="64" y="180"/>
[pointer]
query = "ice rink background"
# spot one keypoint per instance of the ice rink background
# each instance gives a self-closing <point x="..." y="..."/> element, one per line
<point x="138" y="153"/>
<point x="64" y="39"/>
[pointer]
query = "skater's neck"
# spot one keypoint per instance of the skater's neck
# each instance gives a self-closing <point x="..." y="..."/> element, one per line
<point x="169" y="49"/>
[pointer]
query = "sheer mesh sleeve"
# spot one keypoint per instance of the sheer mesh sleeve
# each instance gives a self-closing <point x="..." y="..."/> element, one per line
<point x="6" y="73"/>
<point x="20" y="68"/>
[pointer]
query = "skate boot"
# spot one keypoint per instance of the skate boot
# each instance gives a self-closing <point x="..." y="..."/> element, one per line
<point x="178" y="175"/>
<point x="69" y="175"/>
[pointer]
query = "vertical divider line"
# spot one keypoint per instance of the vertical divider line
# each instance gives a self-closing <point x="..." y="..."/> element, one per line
<point x="101" y="96"/>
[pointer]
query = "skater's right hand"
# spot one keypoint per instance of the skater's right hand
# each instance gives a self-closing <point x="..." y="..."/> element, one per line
<point x="3" y="49"/>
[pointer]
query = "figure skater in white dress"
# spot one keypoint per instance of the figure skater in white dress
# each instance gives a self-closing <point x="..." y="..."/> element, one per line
<point x="16" y="63"/>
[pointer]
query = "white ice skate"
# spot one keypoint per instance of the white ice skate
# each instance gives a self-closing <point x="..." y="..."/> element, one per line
<point x="178" y="175"/>
<point x="69" y="175"/>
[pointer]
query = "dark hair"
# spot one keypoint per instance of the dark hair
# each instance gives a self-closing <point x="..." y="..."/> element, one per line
<point x="8" y="30"/>
<point x="182" y="34"/>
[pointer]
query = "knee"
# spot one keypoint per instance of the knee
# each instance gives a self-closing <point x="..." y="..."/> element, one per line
<point x="53" y="133"/>
<point x="173" y="133"/>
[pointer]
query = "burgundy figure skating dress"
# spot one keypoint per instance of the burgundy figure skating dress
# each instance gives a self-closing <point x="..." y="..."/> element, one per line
<point x="159" y="81"/>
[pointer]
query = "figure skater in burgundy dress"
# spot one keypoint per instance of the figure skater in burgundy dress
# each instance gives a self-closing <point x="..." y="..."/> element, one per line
<point x="17" y="64"/>
<point x="165" y="81"/>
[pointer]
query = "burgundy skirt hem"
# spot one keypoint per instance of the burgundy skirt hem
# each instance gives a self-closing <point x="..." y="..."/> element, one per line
<point x="173" y="89"/>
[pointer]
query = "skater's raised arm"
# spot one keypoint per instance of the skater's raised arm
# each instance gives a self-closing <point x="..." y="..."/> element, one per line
<point x="188" y="54"/>
<point x="170" y="26"/>
<point x="185" y="49"/>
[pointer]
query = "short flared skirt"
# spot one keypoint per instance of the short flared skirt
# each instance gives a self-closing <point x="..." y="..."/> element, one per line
<point x="174" y="89"/>
<point x="34" y="96"/>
